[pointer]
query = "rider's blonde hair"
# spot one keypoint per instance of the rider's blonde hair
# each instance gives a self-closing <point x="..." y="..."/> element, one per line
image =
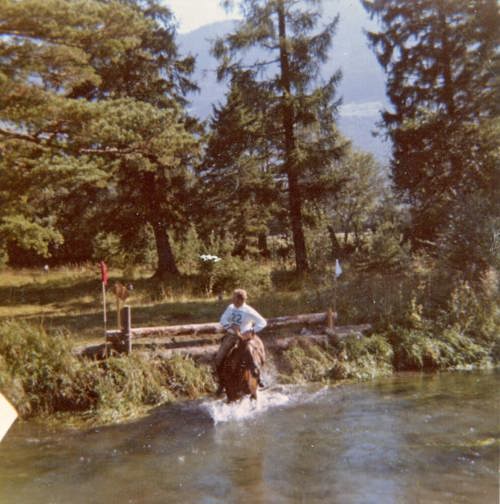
<point x="240" y="293"/>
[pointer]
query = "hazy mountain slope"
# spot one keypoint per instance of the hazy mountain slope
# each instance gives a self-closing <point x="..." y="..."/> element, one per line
<point x="362" y="86"/>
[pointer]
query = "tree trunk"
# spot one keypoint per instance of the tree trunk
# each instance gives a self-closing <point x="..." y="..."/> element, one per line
<point x="166" y="260"/>
<point x="299" y="243"/>
<point x="294" y="196"/>
<point x="263" y="248"/>
<point x="154" y="188"/>
<point x="240" y="248"/>
<point x="357" y="238"/>
<point x="336" y="248"/>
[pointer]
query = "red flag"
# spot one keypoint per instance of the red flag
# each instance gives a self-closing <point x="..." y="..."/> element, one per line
<point x="104" y="273"/>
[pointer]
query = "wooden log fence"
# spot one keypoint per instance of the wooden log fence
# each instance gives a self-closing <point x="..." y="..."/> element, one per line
<point x="207" y="328"/>
<point x="205" y="334"/>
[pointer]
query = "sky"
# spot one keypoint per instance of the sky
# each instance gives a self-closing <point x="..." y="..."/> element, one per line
<point x="192" y="14"/>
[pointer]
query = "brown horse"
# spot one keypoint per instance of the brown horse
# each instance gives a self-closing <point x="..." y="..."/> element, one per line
<point x="237" y="373"/>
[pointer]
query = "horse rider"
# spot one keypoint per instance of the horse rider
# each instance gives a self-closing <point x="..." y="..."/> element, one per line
<point x="240" y="320"/>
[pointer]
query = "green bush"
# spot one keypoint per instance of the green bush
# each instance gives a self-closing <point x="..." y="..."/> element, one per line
<point x="463" y="349"/>
<point x="307" y="362"/>
<point x="319" y="248"/>
<point x="363" y="297"/>
<point x="186" y="378"/>
<point x="473" y="311"/>
<point x="233" y="272"/>
<point x="126" y="251"/>
<point x="384" y="253"/>
<point x="415" y="350"/>
<point x="421" y="350"/>
<point x="40" y="374"/>
<point x="125" y="385"/>
<point x="363" y="357"/>
<point x="187" y="250"/>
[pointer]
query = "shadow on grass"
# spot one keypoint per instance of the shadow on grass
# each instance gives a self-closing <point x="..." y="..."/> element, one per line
<point x="73" y="304"/>
<point x="69" y="292"/>
<point x="91" y="326"/>
<point x="60" y="292"/>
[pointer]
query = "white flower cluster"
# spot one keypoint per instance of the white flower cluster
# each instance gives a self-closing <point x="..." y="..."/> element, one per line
<point x="210" y="258"/>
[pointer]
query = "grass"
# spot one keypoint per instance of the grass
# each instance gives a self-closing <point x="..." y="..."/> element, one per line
<point x="350" y="358"/>
<point x="71" y="299"/>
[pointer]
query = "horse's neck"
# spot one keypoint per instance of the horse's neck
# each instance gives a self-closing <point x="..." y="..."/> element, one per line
<point x="248" y="351"/>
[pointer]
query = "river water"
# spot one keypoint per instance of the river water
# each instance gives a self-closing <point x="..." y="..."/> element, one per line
<point x="410" y="438"/>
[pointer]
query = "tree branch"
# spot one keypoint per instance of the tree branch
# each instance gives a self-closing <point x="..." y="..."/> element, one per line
<point x="6" y="135"/>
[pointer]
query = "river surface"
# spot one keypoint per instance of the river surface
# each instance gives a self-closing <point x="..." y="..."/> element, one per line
<point x="406" y="439"/>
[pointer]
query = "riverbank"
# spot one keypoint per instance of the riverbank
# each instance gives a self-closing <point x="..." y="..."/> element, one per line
<point x="46" y="382"/>
<point x="421" y="321"/>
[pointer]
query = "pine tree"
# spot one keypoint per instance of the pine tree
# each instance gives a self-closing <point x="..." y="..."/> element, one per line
<point x="92" y="105"/>
<point x="439" y="56"/>
<point x="299" y="112"/>
<point x="239" y="190"/>
<point x="154" y="73"/>
<point x="43" y="57"/>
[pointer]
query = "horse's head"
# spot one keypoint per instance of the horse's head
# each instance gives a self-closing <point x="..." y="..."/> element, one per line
<point x="245" y="351"/>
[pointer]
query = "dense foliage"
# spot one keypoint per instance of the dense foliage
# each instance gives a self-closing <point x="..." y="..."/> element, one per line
<point x="100" y="158"/>
<point x="440" y="58"/>
<point x="94" y="136"/>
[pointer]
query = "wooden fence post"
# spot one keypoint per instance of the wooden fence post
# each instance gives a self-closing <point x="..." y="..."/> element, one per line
<point x="329" y="319"/>
<point x="126" y="324"/>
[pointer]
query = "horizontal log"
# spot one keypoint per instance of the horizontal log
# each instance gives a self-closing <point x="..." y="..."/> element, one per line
<point x="343" y="331"/>
<point x="207" y="352"/>
<point x="215" y="327"/>
<point x="205" y="349"/>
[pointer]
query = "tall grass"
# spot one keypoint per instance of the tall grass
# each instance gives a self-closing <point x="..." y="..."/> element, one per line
<point x="419" y="324"/>
<point x="41" y="376"/>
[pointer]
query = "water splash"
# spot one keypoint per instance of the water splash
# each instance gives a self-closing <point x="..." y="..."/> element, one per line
<point x="220" y="411"/>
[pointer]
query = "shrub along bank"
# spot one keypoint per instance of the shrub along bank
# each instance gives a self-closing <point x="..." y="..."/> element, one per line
<point x="42" y="377"/>
<point x="461" y="335"/>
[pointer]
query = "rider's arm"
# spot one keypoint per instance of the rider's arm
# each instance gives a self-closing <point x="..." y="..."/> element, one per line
<point x="258" y="320"/>
<point x="225" y="319"/>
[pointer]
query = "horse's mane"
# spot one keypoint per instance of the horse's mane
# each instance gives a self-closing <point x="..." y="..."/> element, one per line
<point x="242" y="352"/>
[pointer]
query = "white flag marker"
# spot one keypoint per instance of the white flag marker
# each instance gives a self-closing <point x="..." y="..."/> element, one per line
<point x="7" y="416"/>
<point x="338" y="269"/>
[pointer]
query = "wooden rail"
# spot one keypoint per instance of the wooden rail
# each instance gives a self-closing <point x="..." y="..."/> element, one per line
<point x="121" y="340"/>
<point x="202" y="339"/>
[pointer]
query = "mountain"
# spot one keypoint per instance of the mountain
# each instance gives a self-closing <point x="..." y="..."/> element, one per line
<point x="362" y="87"/>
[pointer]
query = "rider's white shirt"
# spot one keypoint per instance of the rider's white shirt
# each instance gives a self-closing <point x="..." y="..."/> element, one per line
<point x="245" y="317"/>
